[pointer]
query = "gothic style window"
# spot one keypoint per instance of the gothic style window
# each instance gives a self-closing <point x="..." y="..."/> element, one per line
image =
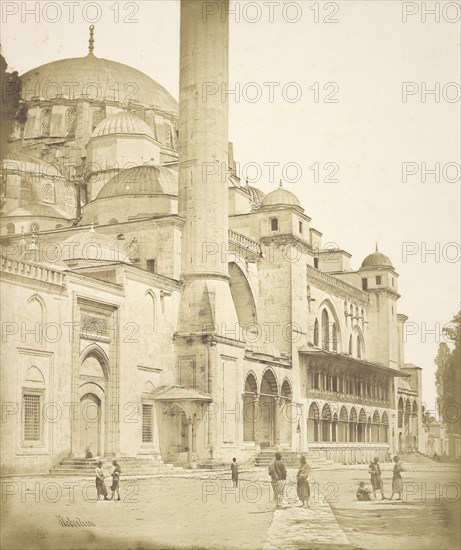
<point x="32" y="424"/>
<point x="48" y="193"/>
<point x="71" y="121"/>
<point x="10" y="229"/>
<point x="325" y="330"/>
<point x="45" y="122"/>
<point x="334" y="337"/>
<point x="113" y="221"/>
<point x="316" y="333"/>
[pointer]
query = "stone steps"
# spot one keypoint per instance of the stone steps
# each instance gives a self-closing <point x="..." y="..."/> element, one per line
<point x="128" y="465"/>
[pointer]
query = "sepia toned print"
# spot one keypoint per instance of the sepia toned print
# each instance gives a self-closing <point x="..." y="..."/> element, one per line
<point x="187" y="360"/>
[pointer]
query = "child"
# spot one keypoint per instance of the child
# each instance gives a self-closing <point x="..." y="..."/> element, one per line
<point x="115" y="480"/>
<point x="235" y="472"/>
<point x="363" y="493"/>
<point x="100" y="485"/>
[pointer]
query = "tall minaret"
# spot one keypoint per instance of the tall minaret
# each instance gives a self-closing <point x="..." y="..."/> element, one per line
<point x="203" y="157"/>
<point x="208" y="347"/>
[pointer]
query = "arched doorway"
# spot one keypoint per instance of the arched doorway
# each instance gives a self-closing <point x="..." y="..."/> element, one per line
<point x="287" y="414"/>
<point x="92" y="415"/>
<point x="313" y="417"/>
<point x="343" y="424"/>
<point x="249" y="408"/>
<point x="353" y="425"/>
<point x="268" y="409"/>
<point x="326" y="423"/>
<point x="175" y="434"/>
<point x="90" y="424"/>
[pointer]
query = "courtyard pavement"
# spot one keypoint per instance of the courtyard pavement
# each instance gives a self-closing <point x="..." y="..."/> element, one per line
<point x="200" y="509"/>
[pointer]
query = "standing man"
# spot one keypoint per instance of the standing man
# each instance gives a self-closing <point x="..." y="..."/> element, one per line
<point x="376" y="479"/>
<point x="278" y="474"/>
<point x="235" y="473"/>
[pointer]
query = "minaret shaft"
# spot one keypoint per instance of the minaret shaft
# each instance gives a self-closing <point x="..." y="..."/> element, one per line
<point x="203" y="159"/>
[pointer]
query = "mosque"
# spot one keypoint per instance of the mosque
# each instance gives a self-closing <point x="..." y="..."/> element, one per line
<point x="163" y="314"/>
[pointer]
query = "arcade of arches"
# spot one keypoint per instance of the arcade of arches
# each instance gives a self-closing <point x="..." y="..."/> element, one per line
<point x="407" y="424"/>
<point x="268" y="411"/>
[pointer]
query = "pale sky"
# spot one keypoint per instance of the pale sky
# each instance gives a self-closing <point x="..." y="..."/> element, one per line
<point x="361" y="60"/>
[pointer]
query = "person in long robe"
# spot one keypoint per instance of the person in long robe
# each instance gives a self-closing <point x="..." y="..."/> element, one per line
<point x="100" y="483"/>
<point x="303" y="488"/>
<point x="397" y="483"/>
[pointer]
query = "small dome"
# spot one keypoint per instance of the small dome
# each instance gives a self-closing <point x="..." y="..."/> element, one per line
<point x="377" y="259"/>
<point x="281" y="196"/>
<point x="122" y="123"/>
<point x="141" y="180"/>
<point x="93" y="247"/>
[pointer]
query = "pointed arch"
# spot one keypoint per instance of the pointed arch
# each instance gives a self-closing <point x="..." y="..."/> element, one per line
<point x="313" y="420"/>
<point x="251" y="384"/>
<point x="242" y="296"/>
<point x="96" y="351"/>
<point x="325" y="329"/>
<point x="286" y="390"/>
<point x="316" y="332"/>
<point x="269" y="384"/>
<point x="152" y="301"/>
<point x="35" y="376"/>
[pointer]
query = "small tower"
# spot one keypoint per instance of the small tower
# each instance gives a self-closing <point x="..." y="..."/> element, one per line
<point x="380" y="280"/>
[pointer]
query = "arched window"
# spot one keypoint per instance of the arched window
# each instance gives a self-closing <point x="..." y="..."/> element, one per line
<point x="113" y="221"/>
<point x="45" y="122"/>
<point x="152" y="303"/>
<point x="334" y="337"/>
<point x="359" y="349"/>
<point x="316" y="333"/>
<point x="325" y="330"/>
<point x="58" y="226"/>
<point x="48" y="193"/>
<point x="71" y="121"/>
<point x="98" y="116"/>
<point x="10" y="229"/>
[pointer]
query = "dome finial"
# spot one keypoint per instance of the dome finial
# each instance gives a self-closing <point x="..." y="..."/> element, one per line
<point x="91" y="41"/>
<point x="280" y="183"/>
<point x="376" y="247"/>
<point x="92" y="228"/>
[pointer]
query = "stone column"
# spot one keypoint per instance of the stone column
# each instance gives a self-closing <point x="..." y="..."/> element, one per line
<point x="276" y="410"/>
<point x="189" y="440"/>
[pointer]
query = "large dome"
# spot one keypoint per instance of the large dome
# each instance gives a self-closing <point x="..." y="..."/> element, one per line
<point x="377" y="259"/>
<point x="280" y="197"/>
<point x="97" y="78"/>
<point x="122" y="123"/>
<point x="141" y="180"/>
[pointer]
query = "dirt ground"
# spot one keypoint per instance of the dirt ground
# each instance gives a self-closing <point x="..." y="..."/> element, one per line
<point x="202" y="510"/>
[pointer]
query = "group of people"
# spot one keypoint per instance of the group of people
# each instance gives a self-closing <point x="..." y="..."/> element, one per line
<point x="278" y="474"/>
<point x="101" y="489"/>
<point x="364" y="494"/>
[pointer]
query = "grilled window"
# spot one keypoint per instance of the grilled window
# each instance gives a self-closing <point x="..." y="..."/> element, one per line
<point x="150" y="265"/>
<point x="31" y="417"/>
<point x="71" y="121"/>
<point x="10" y="229"/>
<point x="46" y="122"/>
<point x="98" y="116"/>
<point x="147" y="417"/>
<point x="274" y="224"/>
<point x="48" y="193"/>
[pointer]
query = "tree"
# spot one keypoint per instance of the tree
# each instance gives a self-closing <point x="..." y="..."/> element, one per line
<point x="12" y="108"/>
<point x="448" y="376"/>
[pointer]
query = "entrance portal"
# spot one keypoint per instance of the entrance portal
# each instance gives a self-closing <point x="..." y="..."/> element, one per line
<point x="175" y="432"/>
<point x="90" y="424"/>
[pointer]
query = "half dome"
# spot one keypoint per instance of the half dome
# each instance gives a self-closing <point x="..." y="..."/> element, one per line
<point x="122" y="123"/>
<point x="93" y="247"/>
<point x="141" y="180"/>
